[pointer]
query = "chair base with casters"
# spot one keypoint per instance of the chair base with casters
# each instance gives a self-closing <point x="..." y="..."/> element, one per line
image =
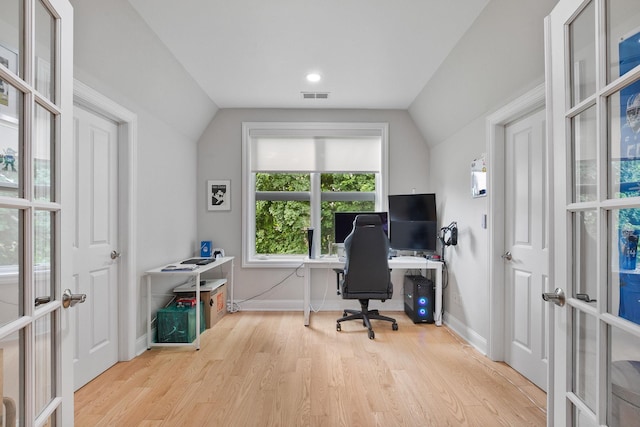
<point x="366" y="316"/>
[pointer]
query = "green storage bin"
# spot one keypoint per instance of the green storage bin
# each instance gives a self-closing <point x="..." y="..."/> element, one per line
<point x="178" y="324"/>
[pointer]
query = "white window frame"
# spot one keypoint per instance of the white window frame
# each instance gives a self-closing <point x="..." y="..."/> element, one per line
<point x="252" y="129"/>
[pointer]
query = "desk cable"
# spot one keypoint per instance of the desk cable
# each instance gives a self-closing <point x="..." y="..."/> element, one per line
<point x="324" y="298"/>
<point x="295" y="271"/>
<point x="445" y="284"/>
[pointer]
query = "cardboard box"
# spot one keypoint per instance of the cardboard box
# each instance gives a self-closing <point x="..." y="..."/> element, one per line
<point x="214" y="296"/>
<point x="215" y="303"/>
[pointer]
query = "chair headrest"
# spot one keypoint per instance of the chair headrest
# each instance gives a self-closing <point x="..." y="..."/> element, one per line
<point x="365" y="220"/>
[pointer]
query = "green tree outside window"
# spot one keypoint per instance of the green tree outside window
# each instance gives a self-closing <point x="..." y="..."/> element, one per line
<point x="280" y="224"/>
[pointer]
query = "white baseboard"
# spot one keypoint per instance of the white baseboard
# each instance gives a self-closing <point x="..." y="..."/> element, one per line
<point x="141" y="343"/>
<point x="468" y="334"/>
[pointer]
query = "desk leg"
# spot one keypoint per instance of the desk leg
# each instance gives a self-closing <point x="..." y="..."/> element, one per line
<point x="197" y="343"/>
<point x="148" y="312"/>
<point x="307" y="294"/>
<point x="438" y="313"/>
<point x="231" y="308"/>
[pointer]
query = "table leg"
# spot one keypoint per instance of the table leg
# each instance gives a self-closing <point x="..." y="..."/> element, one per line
<point x="148" y="312"/>
<point x="307" y="294"/>
<point x="438" y="313"/>
<point x="230" y="307"/>
<point x="197" y="343"/>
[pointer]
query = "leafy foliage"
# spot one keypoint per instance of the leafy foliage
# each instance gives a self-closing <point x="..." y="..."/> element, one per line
<point x="280" y="225"/>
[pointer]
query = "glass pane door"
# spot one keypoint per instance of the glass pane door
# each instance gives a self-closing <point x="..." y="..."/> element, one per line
<point x="596" y="119"/>
<point x="31" y="132"/>
<point x="622" y="121"/>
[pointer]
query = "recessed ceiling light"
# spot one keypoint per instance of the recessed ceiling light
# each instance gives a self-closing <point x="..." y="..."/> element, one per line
<point x="313" y="77"/>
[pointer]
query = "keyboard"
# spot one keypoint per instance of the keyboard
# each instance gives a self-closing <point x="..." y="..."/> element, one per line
<point x="198" y="261"/>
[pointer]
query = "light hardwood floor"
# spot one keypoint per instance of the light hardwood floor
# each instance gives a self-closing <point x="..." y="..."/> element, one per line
<point x="268" y="369"/>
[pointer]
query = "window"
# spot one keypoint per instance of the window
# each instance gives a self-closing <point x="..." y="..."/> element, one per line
<point x="296" y="175"/>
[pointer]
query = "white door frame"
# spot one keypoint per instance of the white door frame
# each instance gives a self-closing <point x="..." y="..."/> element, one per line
<point x="127" y="121"/>
<point x="496" y="123"/>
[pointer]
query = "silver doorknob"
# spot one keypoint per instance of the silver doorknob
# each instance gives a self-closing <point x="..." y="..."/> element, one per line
<point x="69" y="299"/>
<point x="556" y="297"/>
<point x="115" y="254"/>
<point x="507" y="256"/>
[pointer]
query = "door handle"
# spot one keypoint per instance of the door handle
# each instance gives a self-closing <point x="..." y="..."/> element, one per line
<point x="69" y="299"/>
<point x="115" y="254"/>
<point x="556" y="297"/>
<point x="585" y="298"/>
<point x="42" y="300"/>
<point x="507" y="256"/>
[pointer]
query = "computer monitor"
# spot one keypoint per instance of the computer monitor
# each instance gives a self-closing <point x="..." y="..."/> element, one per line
<point x="413" y="222"/>
<point x="413" y="235"/>
<point x="412" y="207"/>
<point x="343" y="223"/>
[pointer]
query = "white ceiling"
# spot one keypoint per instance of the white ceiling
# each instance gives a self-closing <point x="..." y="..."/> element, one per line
<point x="256" y="53"/>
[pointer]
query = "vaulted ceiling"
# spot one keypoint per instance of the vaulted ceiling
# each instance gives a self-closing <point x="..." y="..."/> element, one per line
<point x="256" y="53"/>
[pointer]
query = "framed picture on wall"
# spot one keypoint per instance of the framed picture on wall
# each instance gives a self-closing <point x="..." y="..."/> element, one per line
<point x="219" y="195"/>
<point x="8" y="94"/>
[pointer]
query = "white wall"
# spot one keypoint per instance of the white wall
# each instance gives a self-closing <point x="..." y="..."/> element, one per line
<point x="467" y="262"/>
<point x="502" y="54"/>
<point x="500" y="58"/>
<point x="219" y="157"/>
<point x="116" y="54"/>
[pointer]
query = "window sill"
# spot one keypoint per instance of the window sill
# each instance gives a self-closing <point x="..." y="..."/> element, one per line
<point x="279" y="261"/>
<point x="273" y="261"/>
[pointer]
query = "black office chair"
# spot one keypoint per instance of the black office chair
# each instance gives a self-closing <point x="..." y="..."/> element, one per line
<point x="366" y="273"/>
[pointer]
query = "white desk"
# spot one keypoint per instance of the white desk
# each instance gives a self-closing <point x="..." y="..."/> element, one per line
<point x="403" y="262"/>
<point x="193" y="273"/>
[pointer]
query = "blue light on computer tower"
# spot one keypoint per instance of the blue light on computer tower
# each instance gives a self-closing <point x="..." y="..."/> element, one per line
<point x="422" y="307"/>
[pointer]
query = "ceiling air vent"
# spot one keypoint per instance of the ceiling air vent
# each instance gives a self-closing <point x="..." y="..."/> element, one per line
<point x="315" y="95"/>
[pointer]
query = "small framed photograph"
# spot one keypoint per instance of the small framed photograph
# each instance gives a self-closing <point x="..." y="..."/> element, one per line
<point x="8" y="94"/>
<point x="219" y="195"/>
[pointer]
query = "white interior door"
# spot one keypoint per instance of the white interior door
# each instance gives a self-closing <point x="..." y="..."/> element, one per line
<point x="36" y="93"/>
<point x="96" y="248"/>
<point x="595" y="67"/>
<point x="526" y="247"/>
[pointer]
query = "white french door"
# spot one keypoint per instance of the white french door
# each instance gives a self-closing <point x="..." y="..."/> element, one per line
<point x="36" y="77"/>
<point x="595" y="102"/>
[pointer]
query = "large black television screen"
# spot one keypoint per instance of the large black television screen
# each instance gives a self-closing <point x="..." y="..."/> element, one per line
<point x="343" y="223"/>
<point x="412" y="207"/>
<point x="413" y="236"/>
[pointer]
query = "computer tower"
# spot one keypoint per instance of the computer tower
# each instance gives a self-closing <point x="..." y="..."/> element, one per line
<point x="419" y="298"/>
